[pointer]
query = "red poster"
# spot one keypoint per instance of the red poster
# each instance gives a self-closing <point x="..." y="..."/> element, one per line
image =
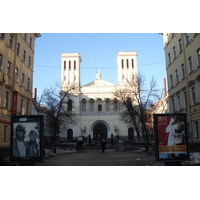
<point x="171" y="136"/>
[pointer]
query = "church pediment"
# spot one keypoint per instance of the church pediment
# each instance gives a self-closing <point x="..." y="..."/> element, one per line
<point x="99" y="82"/>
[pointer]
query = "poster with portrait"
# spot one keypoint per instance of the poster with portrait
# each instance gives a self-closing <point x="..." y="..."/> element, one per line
<point x="27" y="138"/>
<point x="171" y="138"/>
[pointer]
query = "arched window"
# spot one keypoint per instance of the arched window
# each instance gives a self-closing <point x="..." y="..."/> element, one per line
<point x="70" y="65"/>
<point x="69" y="105"/>
<point x="83" y="106"/>
<point x="129" y="103"/>
<point x="64" y="65"/>
<point x="132" y="63"/>
<point x="107" y="105"/>
<point x="127" y="63"/>
<point x="115" y="105"/>
<point x="91" y="105"/>
<point x="99" y="104"/>
<point x="122" y="64"/>
<point x="74" y="65"/>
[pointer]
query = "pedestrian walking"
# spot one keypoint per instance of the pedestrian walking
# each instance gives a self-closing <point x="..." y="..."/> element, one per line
<point x="103" y="145"/>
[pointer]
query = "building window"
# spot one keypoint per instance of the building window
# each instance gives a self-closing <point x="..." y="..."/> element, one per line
<point x="74" y="65"/>
<point x="171" y="81"/>
<point x="180" y="45"/>
<point x="30" y="44"/>
<point x="178" y="103"/>
<point x="28" y="84"/>
<point x="69" y="105"/>
<point x="29" y="61"/>
<point x="132" y="63"/>
<point x="122" y="64"/>
<point x="183" y="71"/>
<point x="11" y="41"/>
<point x="1" y="61"/>
<point x="193" y="96"/>
<point x="64" y="65"/>
<point x="169" y="58"/>
<point x="115" y="105"/>
<point x="91" y="105"/>
<point x="23" y="78"/>
<point x="99" y="105"/>
<point x="196" y="130"/>
<point x="27" y="108"/>
<point x="9" y="69"/>
<point x="25" y="36"/>
<point x="2" y="35"/>
<point x="185" y="100"/>
<point x="174" y="50"/>
<point x="83" y="105"/>
<point x="16" y="74"/>
<point x="7" y="100"/>
<point x="127" y="65"/>
<point x="107" y="105"/>
<point x="198" y="57"/>
<point x="18" y="49"/>
<point x="190" y="64"/>
<point x="70" y="65"/>
<point x="22" y="106"/>
<point x="176" y="72"/>
<point x="187" y="38"/>
<point x="173" y="106"/>
<point x="24" y="56"/>
<point x="5" y="133"/>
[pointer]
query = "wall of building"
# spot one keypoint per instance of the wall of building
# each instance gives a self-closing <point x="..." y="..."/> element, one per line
<point x="184" y="80"/>
<point x="16" y="78"/>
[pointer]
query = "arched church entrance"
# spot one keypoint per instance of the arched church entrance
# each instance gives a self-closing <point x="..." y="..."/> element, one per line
<point x="100" y="131"/>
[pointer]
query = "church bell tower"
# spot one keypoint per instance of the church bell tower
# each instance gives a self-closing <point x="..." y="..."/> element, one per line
<point x="70" y="69"/>
<point x="127" y="66"/>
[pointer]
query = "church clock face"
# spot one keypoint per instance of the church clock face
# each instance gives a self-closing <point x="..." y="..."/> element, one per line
<point x="100" y="131"/>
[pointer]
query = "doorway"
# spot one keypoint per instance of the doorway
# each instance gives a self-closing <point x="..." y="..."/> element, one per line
<point x="130" y="133"/>
<point x="100" y="131"/>
<point x="69" y="134"/>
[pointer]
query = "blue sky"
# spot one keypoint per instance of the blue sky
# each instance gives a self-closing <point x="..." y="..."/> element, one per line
<point x="98" y="51"/>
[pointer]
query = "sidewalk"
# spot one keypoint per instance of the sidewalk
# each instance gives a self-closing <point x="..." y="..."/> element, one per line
<point x="111" y="157"/>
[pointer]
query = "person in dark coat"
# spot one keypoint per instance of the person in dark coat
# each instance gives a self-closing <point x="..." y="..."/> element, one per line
<point x="103" y="145"/>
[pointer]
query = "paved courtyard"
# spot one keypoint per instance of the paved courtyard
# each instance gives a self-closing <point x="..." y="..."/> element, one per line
<point x="111" y="157"/>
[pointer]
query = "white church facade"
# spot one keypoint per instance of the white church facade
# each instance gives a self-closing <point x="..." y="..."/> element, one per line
<point x="94" y="104"/>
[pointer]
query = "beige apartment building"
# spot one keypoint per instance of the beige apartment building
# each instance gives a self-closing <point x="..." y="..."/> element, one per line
<point x="182" y="52"/>
<point x="16" y="79"/>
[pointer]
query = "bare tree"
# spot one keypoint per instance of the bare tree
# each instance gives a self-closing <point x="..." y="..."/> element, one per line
<point x="135" y="99"/>
<point x="52" y="104"/>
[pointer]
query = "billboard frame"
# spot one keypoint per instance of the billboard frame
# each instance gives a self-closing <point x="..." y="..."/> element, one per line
<point x="27" y="146"/>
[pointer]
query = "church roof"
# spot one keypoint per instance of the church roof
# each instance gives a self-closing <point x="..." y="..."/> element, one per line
<point x="99" y="82"/>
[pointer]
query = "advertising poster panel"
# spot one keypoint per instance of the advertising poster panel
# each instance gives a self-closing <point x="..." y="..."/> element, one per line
<point x="171" y="137"/>
<point x="27" y="138"/>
